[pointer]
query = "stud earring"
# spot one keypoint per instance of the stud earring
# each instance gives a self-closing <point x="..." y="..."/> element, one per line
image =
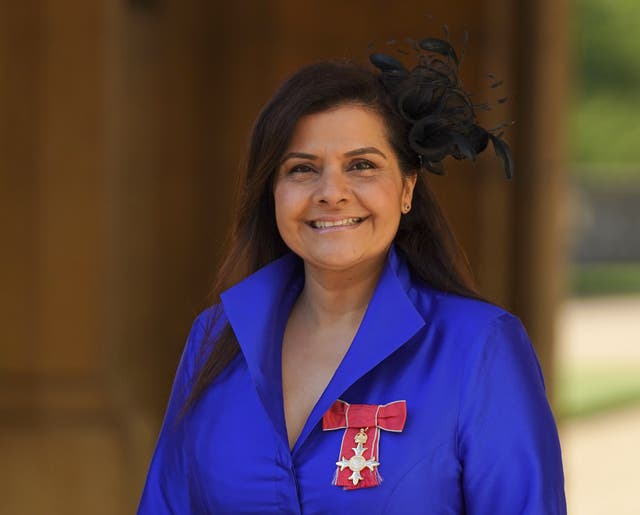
<point x="406" y="208"/>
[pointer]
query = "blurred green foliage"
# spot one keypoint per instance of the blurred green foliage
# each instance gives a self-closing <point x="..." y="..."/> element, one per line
<point x="588" y="391"/>
<point x="605" y="111"/>
<point x="604" y="278"/>
<point x="604" y="125"/>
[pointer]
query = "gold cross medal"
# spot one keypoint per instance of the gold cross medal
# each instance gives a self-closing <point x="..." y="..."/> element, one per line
<point x="358" y="462"/>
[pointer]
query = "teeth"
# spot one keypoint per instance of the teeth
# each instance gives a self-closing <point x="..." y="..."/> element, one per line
<point x="317" y="224"/>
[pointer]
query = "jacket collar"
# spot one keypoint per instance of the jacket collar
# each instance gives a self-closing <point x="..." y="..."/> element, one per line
<point x="258" y="308"/>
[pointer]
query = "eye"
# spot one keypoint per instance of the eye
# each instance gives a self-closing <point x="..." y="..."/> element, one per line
<point x="362" y="165"/>
<point x="301" y="169"/>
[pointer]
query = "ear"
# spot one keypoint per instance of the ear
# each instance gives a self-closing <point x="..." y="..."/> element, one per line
<point x="408" y="183"/>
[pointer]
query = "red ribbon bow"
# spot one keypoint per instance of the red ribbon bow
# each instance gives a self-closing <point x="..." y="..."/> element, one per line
<point x="359" y="453"/>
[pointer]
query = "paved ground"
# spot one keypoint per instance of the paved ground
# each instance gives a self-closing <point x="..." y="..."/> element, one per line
<point x="602" y="453"/>
<point x="600" y="330"/>
<point x="601" y="460"/>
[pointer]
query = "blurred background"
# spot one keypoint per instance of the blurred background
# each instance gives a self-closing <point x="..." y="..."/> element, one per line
<point x="598" y="338"/>
<point x="123" y="125"/>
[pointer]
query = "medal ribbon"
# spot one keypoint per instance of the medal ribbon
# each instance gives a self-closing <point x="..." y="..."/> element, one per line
<point x="357" y="419"/>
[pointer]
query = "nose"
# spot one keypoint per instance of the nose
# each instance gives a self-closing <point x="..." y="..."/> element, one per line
<point x="332" y="187"/>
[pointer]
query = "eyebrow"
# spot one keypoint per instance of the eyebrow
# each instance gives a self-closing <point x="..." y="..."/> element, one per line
<point x="351" y="153"/>
<point x="364" y="150"/>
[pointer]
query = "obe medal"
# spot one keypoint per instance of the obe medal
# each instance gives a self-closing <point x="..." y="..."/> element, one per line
<point x="357" y="462"/>
<point x="362" y="424"/>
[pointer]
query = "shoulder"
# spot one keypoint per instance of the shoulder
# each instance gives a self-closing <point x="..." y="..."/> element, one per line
<point x="204" y="329"/>
<point x="459" y="314"/>
<point x="472" y="329"/>
<point x="209" y="319"/>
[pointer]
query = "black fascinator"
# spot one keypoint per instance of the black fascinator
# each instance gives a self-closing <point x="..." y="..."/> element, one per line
<point x="441" y="115"/>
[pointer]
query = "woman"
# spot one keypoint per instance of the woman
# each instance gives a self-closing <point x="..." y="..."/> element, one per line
<point x="349" y="366"/>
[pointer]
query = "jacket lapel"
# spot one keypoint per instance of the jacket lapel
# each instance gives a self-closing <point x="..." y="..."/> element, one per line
<point x="258" y="308"/>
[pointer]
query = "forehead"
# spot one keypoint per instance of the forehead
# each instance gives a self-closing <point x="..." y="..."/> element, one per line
<point x="341" y="128"/>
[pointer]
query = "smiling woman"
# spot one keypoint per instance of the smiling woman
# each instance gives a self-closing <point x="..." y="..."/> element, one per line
<point x="347" y="342"/>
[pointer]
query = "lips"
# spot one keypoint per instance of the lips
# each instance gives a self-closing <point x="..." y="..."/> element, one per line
<point x="342" y="222"/>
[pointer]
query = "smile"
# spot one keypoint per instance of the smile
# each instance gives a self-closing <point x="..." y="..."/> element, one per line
<point x="325" y="224"/>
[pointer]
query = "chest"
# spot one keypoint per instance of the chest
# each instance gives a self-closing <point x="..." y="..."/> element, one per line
<point x="234" y="447"/>
<point x="308" y="363"/>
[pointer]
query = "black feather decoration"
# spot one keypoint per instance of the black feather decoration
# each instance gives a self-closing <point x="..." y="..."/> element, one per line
<point x="439" y="46"/>
<point x="440" y="114"/>
<point x="387" y="64"/>
<point x="503" y="152"/>
<point x="437" y="167"/>
<point x="463" y="147"/>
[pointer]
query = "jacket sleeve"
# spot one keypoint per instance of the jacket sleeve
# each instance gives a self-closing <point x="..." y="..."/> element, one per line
<point x="167" y="487"/>
<point x="507" y="438"/>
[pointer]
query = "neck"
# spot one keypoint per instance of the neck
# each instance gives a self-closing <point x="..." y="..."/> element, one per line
<point x="337" y="297"/>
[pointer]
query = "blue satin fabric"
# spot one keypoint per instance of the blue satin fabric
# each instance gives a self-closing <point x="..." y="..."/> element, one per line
<point x="480" y="437"/>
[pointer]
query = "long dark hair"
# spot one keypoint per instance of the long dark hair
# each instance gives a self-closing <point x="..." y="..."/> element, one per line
<point x="424" y="236"/>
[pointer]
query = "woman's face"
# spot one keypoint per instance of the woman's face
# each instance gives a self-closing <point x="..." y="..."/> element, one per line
<point x="339" y="191"/>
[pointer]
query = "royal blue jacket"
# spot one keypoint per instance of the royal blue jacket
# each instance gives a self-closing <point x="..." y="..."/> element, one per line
<point x="479" y="436"/>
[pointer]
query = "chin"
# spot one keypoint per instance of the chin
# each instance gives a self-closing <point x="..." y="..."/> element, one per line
<point x="334" y="262"/>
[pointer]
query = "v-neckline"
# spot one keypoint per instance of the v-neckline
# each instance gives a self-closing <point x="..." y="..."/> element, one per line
<point x="258" y="308"/>
<point x="332" y="370"/>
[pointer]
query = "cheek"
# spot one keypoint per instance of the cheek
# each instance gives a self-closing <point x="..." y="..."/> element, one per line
<point x="289" y="204"/>
<point x="385" y="199"/>
<point x="282" y="198"/>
